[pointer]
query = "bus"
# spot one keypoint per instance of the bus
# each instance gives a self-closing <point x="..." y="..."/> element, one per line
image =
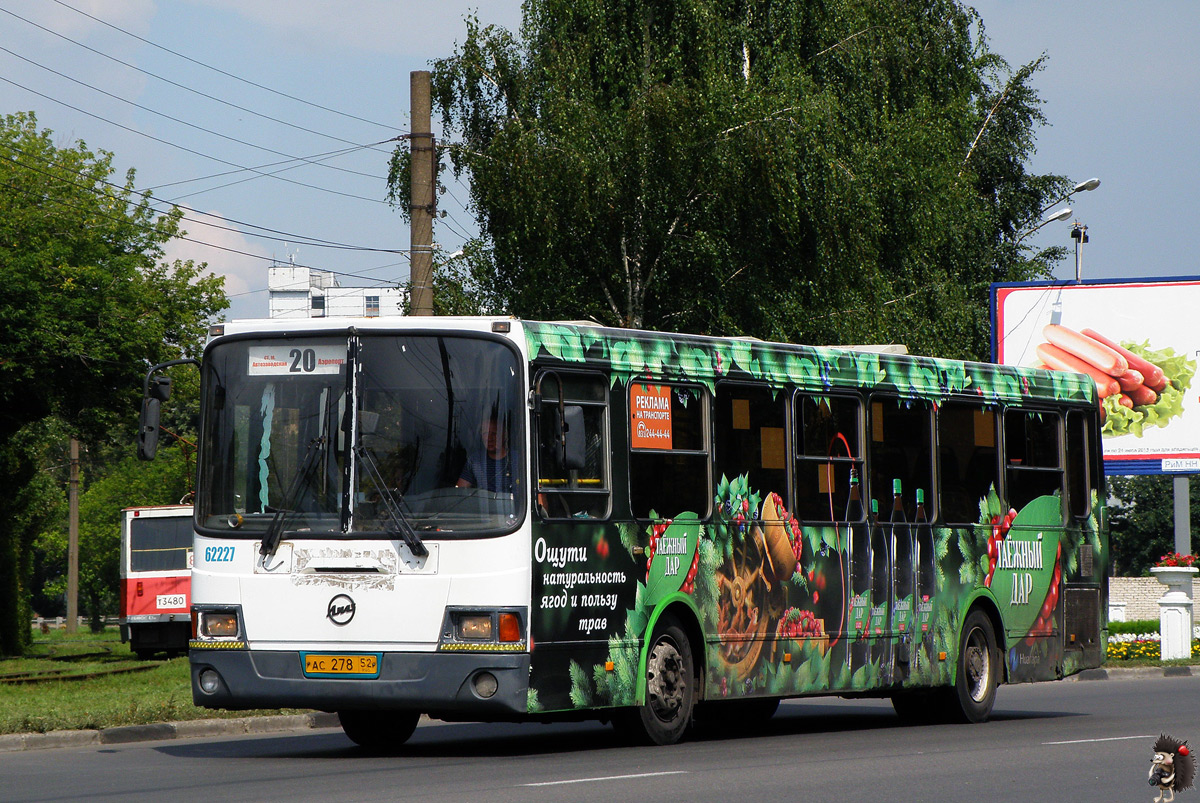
<point x="495" y="519"/>
<point x="156" y="578"/>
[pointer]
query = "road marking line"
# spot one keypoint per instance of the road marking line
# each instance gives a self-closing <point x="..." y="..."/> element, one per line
<point x="608" y="778"/>
<point x="1106" y="739"/>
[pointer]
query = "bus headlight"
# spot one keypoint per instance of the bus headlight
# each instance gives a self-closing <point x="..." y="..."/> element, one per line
<point x="483" y="631"/>
<point x="219" y="624"/>
<point x="475" y="627"/>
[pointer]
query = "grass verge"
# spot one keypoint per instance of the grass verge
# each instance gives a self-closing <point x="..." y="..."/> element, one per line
<point x="160" y="694"/>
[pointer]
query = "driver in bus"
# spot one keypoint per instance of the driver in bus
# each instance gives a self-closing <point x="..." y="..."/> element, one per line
<point x="491" y="467"/>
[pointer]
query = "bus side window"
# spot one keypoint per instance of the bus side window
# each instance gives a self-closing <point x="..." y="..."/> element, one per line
<point x="901" y="448"/>
<point x="751" y="429"/>
<point x="1032" y="458"/>
<point x="669" y="470"/>
<point x="828" y="437"/>
<point x="966" y="435"/>
<point x="1079" y="462"/>
<point x="570" y="493"/>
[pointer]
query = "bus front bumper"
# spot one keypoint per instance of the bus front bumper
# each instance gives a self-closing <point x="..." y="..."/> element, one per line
<point x="431" y="683"/>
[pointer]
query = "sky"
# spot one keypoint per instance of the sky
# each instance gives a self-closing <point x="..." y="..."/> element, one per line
<point x="190" y="93"/>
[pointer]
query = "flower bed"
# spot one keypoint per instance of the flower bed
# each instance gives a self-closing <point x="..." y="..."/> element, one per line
<point x="1129" y="646"/>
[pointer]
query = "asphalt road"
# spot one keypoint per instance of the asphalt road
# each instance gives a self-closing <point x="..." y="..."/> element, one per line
<point x="1067" y="741"/>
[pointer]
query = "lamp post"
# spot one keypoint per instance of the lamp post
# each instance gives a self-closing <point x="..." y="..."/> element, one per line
<point x="1079" y="235"/>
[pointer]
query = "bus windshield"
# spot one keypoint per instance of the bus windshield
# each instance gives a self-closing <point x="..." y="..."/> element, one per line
<point x="331" y="433"/>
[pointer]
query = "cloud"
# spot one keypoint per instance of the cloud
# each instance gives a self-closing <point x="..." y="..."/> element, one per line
<point x="417" y="28"/>
<point x="242" y="262"/>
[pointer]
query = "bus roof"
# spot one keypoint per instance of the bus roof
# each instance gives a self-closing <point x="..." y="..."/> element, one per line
<point x="633" y="353"/>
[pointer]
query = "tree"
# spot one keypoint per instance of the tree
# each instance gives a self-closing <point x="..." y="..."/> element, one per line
<point x="831" y="172"/>
<point x="87" y="307"/>
<point x="1142" y="521"/>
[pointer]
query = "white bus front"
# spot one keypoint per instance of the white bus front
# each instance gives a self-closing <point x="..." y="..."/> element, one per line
<point x="360" y="514"/>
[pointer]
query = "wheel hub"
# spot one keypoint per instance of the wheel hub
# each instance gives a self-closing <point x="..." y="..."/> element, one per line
<point x="666" y="679"/>
<point x="978" y="670"/>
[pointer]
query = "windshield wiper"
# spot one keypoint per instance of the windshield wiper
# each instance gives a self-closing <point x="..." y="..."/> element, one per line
<point x="274" y="532"/>
<point x="395" y="523"/>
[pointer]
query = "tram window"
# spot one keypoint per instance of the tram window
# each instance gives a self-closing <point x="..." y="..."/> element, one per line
<point x="582" y="493"/>
<point x="901" y="449"/>
<point x="751" y="426"/>
<point x="1079" y="462"/>
<point x="668" y="451"/>
<point x="828" y="435"/>
<point x="966" y="459"/>
<point x="1032" y="457"/>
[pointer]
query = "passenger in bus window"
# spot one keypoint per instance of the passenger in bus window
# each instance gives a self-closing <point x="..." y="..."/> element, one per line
<point x="489" y="468"/>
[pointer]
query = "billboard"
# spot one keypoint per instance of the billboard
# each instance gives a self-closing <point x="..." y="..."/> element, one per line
<point x="1137" y="339"/>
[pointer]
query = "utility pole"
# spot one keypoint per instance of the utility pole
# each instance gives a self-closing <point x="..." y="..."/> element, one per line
<point x="73" y="540"/>
<point x="421" y="204"/>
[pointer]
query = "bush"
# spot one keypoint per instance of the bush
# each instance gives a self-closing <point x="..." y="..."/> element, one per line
<point x="1135" y="626"/>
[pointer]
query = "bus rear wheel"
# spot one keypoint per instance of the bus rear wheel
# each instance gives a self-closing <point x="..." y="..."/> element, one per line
<point x="379" y="731"/>
<point x="670" y="689"/>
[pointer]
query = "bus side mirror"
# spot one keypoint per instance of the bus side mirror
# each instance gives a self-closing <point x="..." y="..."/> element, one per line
<point x="574" y="452"/>
<point x="155" y="390"/>
<point x="147" y="437"/>
<point x="159" y="388"/>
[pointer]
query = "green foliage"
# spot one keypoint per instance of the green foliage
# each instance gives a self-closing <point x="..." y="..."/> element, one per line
<point x="1133" y="626"/>
<point x="1141" y="520"/>
<point x="838" y="172"/>
<point x="88" y="307"/>
<point x="127" y="483"/>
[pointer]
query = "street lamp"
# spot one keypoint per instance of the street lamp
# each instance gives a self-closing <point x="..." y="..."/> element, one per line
<point x="1061" y="214"/>
<point x="1083" y="186"/>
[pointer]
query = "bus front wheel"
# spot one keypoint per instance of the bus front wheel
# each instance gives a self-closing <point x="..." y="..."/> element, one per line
<point x="978" y="670"/>
<point x="670" y="689"/>
<point x="379" y="731"/>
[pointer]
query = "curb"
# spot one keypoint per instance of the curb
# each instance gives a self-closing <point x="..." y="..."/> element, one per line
<point x="1135" y="673"/>
<point x="167" y="730"/>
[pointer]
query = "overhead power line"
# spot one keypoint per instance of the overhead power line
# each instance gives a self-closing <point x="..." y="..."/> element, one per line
<point x="283" y="236"/>
<point x="184" y="87"/>
<point x="148" y="227"/>
<point x="223" y="72"/>
<point x="293" y="163"/>
<point x="190" y="150"/>
<point x="176" y="119"/>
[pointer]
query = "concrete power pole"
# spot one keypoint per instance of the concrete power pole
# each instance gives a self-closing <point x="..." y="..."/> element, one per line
<point x="421" y="198"/>
<point x="73" y="541"/>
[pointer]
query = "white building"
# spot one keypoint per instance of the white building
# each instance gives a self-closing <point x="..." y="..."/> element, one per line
<point x="297" y="292"/>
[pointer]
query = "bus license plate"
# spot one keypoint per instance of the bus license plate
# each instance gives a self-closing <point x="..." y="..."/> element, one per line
<point x="362" y="666"/>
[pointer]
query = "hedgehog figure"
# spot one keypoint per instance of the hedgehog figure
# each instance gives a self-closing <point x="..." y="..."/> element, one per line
<point x="1172" y="768"/>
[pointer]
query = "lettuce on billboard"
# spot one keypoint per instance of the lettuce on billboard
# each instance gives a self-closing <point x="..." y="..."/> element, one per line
<point x="1138" y="343"/>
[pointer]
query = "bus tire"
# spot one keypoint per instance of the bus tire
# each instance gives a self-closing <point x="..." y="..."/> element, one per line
<point x="916" y="707"/>
<point x="735" y="716"/>
<point x="379" y="731"/>
<point x="670" y="689"/>
<point x="978" y="670"/>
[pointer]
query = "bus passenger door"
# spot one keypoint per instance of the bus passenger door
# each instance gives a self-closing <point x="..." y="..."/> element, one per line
<point x="901" y="467"/>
